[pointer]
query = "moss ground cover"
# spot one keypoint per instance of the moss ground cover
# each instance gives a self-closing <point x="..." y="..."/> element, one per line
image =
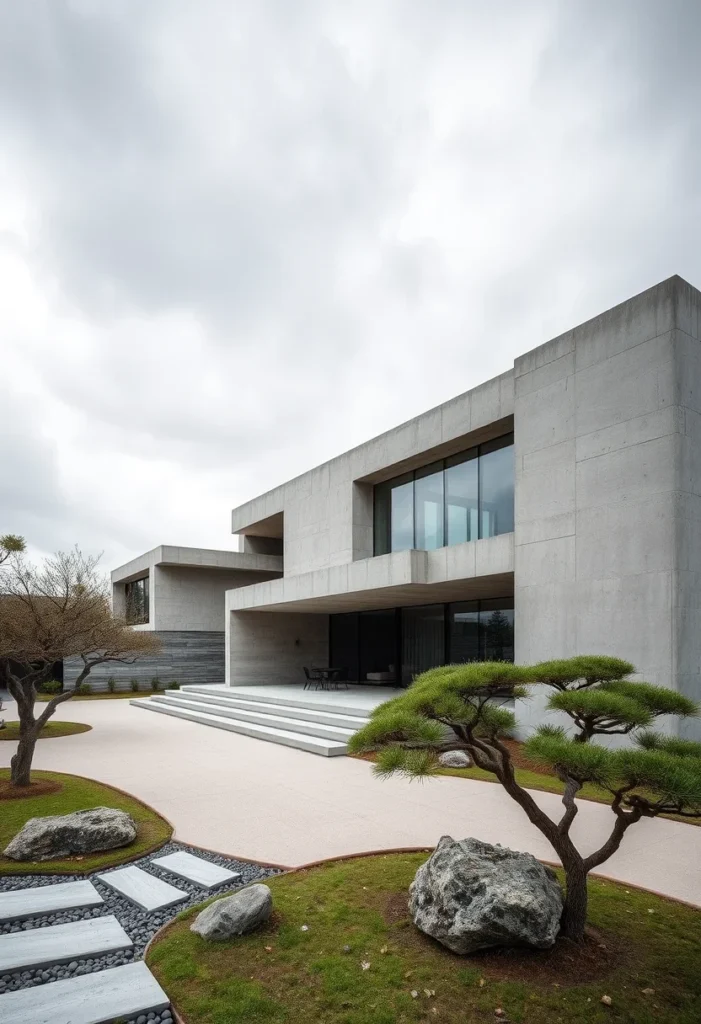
<point x="50" y="731"/>
<point x="642" y="954"/>
<point x="75" y="794"/>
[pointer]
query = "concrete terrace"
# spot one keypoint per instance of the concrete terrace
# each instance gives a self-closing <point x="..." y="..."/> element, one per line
<point x="266" y="802"/>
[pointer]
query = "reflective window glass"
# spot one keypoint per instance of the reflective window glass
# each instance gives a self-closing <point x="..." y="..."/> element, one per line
<point x="428" y="507"/>
<point x="496" y="487"/>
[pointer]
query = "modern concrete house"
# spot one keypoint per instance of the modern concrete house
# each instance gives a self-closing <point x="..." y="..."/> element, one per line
<point x="553" y="510"/>
<point x="178" y="593"/>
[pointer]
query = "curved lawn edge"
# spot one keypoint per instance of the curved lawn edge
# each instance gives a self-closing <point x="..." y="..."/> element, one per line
<point x="178" y="1015"/>
<point x="56" y="730"/>
<point x="122" y="855"/>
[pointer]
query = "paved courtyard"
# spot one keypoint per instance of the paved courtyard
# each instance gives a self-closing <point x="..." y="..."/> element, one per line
<point x="251" y="799"/>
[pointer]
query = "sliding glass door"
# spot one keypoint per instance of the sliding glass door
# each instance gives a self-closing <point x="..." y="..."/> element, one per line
<point x="423" y="639"/>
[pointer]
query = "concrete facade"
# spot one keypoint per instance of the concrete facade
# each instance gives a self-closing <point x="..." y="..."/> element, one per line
<point x="187" y="597"/>
<point x="605" y="556"/>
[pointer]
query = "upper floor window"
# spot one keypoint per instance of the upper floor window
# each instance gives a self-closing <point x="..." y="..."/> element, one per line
<point x="136" y="601"/>
<point x="465" y="497"/>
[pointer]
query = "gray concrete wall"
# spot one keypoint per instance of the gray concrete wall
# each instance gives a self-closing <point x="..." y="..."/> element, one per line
<point x="605" y="436"/>
<point x="193" y="598"/>
<point x="186" y="657"/>
<point x="328" y="511"/>
<point x="269" y="647"/>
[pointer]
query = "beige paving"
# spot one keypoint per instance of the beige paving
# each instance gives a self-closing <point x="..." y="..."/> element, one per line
<point x="242" y="796"/>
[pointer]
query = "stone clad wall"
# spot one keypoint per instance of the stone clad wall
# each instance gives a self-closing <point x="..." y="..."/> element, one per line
<point x="186" y="657"/>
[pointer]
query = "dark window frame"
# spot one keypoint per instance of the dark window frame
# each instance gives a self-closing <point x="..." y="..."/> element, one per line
<point x="382" y="539"/>
<point x="137" y="615"/>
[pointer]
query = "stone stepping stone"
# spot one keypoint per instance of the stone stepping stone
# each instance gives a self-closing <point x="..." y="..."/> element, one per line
<point x="117" y="993"/>
<point x="61" y="943"/>
<point x="47" y="899"/>
<point x="145" y="890"/>
<point x="195" y="869"/>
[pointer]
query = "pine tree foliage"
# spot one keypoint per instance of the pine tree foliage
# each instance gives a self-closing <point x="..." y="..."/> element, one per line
<point x="467" y="707"/>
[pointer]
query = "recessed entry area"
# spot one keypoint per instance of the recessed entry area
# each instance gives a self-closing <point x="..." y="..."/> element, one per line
<point x="391" y="646"/>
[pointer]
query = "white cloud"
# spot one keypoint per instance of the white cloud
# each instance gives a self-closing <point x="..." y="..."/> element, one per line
<point x="236" y="240"/>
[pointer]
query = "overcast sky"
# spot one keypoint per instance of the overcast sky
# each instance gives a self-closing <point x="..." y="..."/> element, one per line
<point x="238" y="237"/>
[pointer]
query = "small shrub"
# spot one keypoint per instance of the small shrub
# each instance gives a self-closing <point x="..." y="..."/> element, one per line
<point x="134" y="684"/>
<point x="155" y="684"/>
<point x="51" y="686"/>
<point x="83" y="689"/>
<point x="174" y="686"/>
<point x="111" y="686"/>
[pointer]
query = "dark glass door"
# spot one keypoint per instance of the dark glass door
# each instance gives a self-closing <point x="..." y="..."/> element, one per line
<point x="378" y="646"/>
<point x="423" y="640"/>
<point x="343" y="644"/>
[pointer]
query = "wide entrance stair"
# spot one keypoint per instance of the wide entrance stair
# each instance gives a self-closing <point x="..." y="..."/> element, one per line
<point x="318" y="722"/>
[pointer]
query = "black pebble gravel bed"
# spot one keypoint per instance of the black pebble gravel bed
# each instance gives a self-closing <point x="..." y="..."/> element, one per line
<point x="140" y="925"/>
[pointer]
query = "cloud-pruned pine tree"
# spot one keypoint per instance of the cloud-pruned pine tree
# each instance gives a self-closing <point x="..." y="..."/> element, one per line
<point x="461" y="707"/>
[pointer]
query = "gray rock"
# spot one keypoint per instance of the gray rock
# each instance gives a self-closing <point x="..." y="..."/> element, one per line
<point x="100" y="828"/>
<point x="455" y="759"/>
<point x="235" y="915"/>
<point x="470" y="895"/>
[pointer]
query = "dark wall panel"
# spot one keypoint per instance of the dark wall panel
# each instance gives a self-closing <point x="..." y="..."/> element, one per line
<point x="186" y="657"/>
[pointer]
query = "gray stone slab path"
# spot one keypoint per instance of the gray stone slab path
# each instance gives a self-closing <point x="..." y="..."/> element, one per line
<point x="118" y="993"/>
<point x="59" y="943"/>
<point x="47" y="899"/>
<point x="195" y="869"/>
<point x="147" y="891"/>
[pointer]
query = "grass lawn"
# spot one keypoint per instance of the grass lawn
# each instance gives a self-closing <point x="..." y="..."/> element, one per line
<point x="50" y="731"/>
<point x="76" y="794"/>
<point x="118" y="695"/>
<point x="537" y="776"/>
<point x="283" y="974"/>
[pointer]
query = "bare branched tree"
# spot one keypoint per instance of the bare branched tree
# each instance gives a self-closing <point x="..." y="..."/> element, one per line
<point x="57" y="610"/>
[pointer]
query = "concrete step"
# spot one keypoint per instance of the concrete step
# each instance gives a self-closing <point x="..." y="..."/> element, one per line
<point x="266" y="718"/>
<point x="307" y="713"/>
<point x="339" y="702"/>
<point x="143" y="889"/>
<point x="61" y="943"/>
<point x="195" y="869"/>
<point x="118" y="993"/>
<point x="313" y="744"/>
<point x="47" y="899"/>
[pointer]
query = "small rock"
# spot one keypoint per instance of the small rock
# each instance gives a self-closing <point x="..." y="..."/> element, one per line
<point x="455" y="759"/>
<point x="607" y="1000"/>
<point x="648" y="991"/>
<point x="235" y="915"/>
<point x="59" y="835"/>
<point x="346" y="949"/>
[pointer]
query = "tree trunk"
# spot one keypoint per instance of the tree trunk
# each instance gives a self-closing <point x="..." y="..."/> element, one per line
<point x="574" y="914"/>
<point x="21" y="763"/>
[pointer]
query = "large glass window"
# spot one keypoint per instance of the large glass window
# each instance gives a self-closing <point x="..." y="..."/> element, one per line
<point x="464" y="497"/>
<point x="428" y="505"/>
<point x="392" y="646"/>
<point x="402" y="515"/>
<point x="496" y="487"/>
<point x="423" y="639"/>
<point x="136" y="601"/>
<point x="481" y="631"/>
<point x="464" y="632"/>
<point x="461" y="497"/>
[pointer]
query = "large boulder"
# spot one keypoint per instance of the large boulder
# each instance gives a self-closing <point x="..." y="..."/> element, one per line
<point x="470" y="895"/>
<point x="60" y="835"/>
<point x="455" y="759"/>
<point x="235" y="915"/>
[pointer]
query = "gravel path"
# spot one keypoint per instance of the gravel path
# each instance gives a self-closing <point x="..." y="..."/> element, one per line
<point x="140" y="925"/>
